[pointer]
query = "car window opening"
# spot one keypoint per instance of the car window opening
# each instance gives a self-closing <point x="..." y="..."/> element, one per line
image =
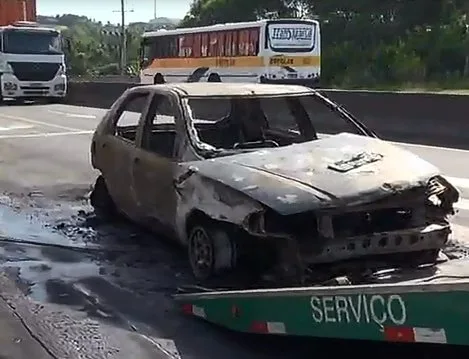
<point x="128" y="116"/>
<point x="240" y="123"/>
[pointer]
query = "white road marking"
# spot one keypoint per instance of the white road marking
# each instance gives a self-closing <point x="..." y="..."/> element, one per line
<point x="167" y="346"/>
<point x="15" y="127"/>
<point x="41" y="123"/>
<point x="67" y="114"/>
<point x="44" y="135"/>
<point x="458" y="182"/>
<point x="462" y="204"/>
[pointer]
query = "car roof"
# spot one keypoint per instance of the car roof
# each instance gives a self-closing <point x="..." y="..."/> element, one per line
<point x="220" y="89"/>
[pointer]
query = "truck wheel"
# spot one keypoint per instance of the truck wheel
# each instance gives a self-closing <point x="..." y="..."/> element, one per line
<point x="211" y="251"/>
<point x="100" y="198"/>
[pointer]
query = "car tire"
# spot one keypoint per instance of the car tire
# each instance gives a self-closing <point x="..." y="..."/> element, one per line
<point x="211" y="252"/>
<point x="100" y="199"/>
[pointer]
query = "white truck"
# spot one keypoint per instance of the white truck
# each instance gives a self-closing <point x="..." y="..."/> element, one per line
<point x="32" y="63"/>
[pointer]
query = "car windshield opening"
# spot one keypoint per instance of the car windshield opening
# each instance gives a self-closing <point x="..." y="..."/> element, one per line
<point x="241" y="123"/>
<point x="31" y="42"/>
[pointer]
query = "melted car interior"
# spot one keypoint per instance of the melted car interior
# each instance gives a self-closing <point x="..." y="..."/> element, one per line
<point x="250" y="123"/>
<point x="236" y="122"/>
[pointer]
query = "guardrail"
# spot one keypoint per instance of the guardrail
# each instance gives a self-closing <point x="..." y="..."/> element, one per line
<point x="423" y="118"/>
<point x="106" y="79"/>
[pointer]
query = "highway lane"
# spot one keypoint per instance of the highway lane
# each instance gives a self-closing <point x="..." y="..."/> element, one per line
<point x="45" y="148"/>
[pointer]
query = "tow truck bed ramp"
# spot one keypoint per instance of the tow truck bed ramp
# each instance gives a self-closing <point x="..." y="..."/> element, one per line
<point x="434" y="308"/>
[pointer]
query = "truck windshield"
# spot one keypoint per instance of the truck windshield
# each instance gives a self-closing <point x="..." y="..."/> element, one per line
<point x="31" y="42"/>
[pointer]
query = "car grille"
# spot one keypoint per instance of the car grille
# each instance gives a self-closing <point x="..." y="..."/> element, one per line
<point x="374" y="221"/>
<point x="35" y="71"/>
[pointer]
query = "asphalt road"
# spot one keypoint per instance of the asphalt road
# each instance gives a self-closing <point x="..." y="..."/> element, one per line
<point x="116" y="274"/>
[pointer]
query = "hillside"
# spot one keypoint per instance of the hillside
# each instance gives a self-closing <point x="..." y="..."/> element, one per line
<point x="95" y="46"/>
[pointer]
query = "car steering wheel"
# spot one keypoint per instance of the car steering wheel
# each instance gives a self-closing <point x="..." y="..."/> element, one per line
<point x="253" y="144"/>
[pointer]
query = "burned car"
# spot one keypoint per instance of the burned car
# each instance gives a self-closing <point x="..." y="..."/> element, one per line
<point x="275" y="177"/>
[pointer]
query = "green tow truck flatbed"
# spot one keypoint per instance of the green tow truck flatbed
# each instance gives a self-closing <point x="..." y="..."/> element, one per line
<point x="427" y="305"/>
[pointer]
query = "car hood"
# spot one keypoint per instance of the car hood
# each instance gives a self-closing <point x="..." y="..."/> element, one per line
<point x="340" y="170"/>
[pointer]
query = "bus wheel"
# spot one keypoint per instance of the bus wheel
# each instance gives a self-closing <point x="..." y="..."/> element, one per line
<point x="158" y="79"/>
<point x="214" y="78"/>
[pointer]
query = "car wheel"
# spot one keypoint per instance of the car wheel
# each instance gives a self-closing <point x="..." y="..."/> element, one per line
<point x="100" y="198"/>
<point x="210" y="251"/>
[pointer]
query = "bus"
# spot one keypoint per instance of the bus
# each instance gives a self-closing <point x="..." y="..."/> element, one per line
<point x="286" y="51"/>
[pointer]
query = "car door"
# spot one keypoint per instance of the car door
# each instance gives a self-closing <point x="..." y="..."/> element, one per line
<point x="117" y="149"/>
<point x="154" y="164"/>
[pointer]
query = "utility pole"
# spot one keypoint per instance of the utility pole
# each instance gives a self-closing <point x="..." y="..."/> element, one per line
<point x="154" y="9"/>
<point x="123" y="39"/>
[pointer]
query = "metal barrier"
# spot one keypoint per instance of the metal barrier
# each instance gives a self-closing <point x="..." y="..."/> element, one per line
<point x="425" y="118"/>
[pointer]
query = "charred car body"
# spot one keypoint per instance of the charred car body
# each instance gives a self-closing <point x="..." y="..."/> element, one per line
<point x="271" y="176"/>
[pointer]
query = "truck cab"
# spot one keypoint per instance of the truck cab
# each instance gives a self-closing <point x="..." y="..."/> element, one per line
<point x="32" y="62"/>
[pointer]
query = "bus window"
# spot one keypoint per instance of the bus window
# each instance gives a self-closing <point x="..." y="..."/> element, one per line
<point x="162" y="47"/>
<point x="254" y="42"/>
<point x="185" y="45"/>
<point x="212" y="49"/>
<point x="242" y="42"/>
<point x="234" y="44"/>
<point x="148" y="48"/>
<point x="228" y="41"/>
<point x="173" y="46"/>
<point x="204" y="47"/>
<point x="196" y="45"/>
<point x="221" y="44"/>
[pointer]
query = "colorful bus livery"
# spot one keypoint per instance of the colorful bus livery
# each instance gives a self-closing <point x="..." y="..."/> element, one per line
<point x="276" y="51"/>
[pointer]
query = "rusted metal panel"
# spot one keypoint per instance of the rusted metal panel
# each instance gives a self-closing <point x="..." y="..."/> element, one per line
<point x="297" y="178"/>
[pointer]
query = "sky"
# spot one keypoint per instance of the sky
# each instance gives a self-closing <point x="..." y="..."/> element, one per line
<point x="109" y="10"/>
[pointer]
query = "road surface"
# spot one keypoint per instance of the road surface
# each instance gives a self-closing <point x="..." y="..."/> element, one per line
<point x="116" y="274"/>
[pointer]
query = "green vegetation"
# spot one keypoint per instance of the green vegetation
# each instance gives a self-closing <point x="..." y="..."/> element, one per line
<point x="95" y="47"/>
<point x="383" y="44"/>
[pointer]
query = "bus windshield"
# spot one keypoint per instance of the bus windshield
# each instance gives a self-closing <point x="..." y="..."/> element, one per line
<point x="299" y="36"/>
<point x="31" y="42"/>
